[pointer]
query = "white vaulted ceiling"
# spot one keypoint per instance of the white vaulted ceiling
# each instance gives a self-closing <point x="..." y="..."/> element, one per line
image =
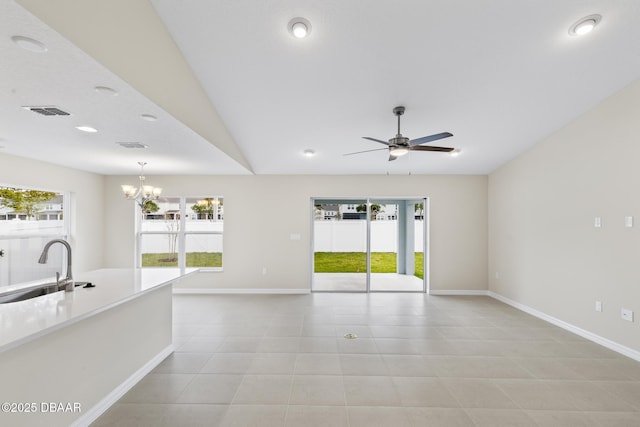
<point x="235" y="93"/>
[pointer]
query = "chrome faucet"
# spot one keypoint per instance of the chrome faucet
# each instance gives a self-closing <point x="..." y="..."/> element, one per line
<point x="66" y="283"/>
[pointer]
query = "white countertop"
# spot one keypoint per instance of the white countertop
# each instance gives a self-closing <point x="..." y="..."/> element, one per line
<point x="24" y="321"/>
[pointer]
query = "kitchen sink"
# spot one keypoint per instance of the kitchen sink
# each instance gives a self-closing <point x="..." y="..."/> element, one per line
<point x="25" y="294"/>
<point x="37" y="291"/>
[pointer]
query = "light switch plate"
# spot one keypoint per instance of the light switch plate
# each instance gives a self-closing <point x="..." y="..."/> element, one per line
<point x="598" y="305"/>
<point x="597" y="222"/>
<point x="628" y="221"/>
<point x="626" y="314"/>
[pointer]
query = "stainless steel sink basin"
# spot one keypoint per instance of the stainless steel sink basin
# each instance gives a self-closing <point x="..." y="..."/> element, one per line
<point x="36" y="291"/>
<point x="25" y="294"/>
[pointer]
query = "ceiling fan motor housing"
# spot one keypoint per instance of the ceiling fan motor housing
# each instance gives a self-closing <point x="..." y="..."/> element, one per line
<point x="398" y="111"/>
<point x="399" y="140"/>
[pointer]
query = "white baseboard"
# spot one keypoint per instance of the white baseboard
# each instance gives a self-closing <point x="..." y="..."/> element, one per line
<point x="92" y="414"/>
<point x="611" y="345"/>
<point x="238" y="291"/>
<point x="458" y="292"/>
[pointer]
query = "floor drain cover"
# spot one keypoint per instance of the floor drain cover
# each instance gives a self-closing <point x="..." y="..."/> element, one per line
<point x="350" y="336"/>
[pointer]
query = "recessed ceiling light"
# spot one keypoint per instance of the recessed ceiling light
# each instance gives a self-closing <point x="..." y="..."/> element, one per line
<point x="309" y="152"/>
<point x="148" y="117"/>
<point x="584" y="25"/>
<point x="104" y="90"/>
<point x="29" y="44"/>
<point x="87" y="129"/>
<point x="299" y="28"/>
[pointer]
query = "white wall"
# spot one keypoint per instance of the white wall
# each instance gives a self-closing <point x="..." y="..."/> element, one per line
<point x="87" y="204"/>
<point x="542" y="242"/>
<point x="261" y="212"/>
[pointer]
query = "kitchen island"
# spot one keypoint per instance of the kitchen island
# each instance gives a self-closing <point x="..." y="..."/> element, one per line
<point x="67" y="356"/>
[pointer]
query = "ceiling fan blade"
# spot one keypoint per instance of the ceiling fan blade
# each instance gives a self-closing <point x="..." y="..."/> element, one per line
<point x="430" y="148"/>
<point x="365" y="151"/>
<point x="429" y="138"/>
<point x="392" y="157"/>
<point x="376" y="140"/>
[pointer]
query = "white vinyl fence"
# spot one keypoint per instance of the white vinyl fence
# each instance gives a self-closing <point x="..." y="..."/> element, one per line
<point x="22" y="242"/>
<point x="351" y="236"/>
<point x="161" y="243"/>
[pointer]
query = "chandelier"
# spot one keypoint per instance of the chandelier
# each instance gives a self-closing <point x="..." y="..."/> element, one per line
<point x="143" y="193"/>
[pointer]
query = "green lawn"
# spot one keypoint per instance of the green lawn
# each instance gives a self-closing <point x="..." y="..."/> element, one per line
<point x="324" y="262"/>
<point x="356" y="262"/>
<point x="194" y="259"/>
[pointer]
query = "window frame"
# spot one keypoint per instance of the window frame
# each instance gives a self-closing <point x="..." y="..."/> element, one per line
<point x="182" y="234"/>
<point x="64" y="234"/>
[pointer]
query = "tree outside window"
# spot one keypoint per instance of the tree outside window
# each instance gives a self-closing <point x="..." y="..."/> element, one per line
<point x="25" y="201"/>
<point x="204" y="208"/>
<point x="375" y="210"/>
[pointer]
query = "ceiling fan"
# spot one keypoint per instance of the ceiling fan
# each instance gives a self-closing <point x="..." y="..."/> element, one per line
<point x="400" y="145"/>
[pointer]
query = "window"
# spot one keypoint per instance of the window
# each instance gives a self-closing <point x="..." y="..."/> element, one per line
<point x="182" y="232"/>
<point x="29" y="218"/>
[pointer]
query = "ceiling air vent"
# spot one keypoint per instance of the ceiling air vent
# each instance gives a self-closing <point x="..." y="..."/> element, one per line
<point x="48" y="111"/>
<point x="132" y="144"/>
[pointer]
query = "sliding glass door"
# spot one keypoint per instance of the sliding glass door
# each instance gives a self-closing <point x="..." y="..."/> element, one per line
<point x="397" y="245"/>
<point x="369" y="245"/>
<point x="340" y="243"/>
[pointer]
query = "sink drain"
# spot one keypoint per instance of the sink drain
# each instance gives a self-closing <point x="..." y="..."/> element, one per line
<point x="350" y="336"/>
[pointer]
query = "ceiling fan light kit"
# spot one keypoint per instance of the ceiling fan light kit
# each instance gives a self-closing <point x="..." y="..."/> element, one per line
<point x="401" y="145"/>
<point x="398" y="151"/>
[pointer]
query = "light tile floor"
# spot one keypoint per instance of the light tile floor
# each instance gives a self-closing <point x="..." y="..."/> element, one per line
<point x="419" y="360"/>
<point x="357" y="282"/>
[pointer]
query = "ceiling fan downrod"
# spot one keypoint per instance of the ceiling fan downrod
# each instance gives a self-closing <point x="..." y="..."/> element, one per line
<point x="398" y="111"/>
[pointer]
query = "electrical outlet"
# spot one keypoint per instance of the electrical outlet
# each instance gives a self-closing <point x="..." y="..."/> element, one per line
<point x="628" y="221"/>
<point x="598" y="305"/>
<point x="626" y="314"/>
<point x="597" y="222"/>
<point x="264" y="271"/>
